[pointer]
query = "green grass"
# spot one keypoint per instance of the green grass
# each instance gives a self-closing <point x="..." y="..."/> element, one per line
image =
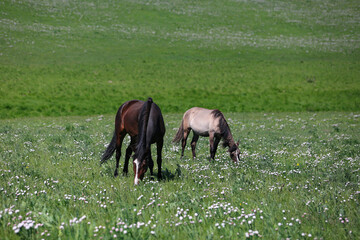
<point x="61" y="58"/>
<point x="297" y="178"/>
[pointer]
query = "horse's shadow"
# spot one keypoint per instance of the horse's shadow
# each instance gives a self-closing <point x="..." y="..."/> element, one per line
<point x="167" y="175"/>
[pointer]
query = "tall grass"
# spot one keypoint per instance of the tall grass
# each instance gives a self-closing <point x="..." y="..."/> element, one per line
<point x="297" y="178"/>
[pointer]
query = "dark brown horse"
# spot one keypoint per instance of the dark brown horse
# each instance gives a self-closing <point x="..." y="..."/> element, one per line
<point x="133" y="117"/>
<point x="207" y="123"/>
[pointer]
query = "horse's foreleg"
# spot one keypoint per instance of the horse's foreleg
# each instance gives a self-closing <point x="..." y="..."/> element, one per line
<point x="129" y="151"/>
<point x="151" y="163"/>
<point x="193" y="144"/>
<point x="127" y="157"/>
<point x="214" y="142"/>
<point x="159" y="146"/>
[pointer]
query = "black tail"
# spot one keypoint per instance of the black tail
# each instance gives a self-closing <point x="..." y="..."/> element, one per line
<point x="143" y="123"/>
<point x="112" y="145"/>
<point x="109" y="150"/>
<point x="180" y="133"/>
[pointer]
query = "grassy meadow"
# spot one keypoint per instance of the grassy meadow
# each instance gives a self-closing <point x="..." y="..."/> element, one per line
<point x="298" y="178"/>
<point x="286" y="74"/>
<point x="60" y="58"/>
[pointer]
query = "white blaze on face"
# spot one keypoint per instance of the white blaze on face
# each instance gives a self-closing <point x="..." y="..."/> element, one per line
<point x="136" y="179"/>
<point x="237" y="155"/>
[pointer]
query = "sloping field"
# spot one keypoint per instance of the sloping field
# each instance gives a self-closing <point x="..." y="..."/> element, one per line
<point x="87" y="57"/>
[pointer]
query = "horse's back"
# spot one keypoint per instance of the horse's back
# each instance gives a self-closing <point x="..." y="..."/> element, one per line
<point x="201" y="120"/>
<point x="127" y="117"/>
<point x="132" y="106"/>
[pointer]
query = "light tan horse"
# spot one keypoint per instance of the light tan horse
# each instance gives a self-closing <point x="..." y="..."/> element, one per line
<point x="207" y="123"/>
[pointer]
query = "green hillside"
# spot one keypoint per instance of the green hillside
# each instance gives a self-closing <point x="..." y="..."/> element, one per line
<point x="87" y="57"/>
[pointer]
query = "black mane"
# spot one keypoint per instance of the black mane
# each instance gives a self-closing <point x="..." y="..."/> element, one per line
<point x="224" y="127"/>
<point x="141" y="149"/>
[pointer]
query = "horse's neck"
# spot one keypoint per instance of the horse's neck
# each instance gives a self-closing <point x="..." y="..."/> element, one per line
<point x="229" y="140"/>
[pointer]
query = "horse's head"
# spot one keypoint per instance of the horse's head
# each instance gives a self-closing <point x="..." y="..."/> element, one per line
<point x="140" y="168"/>
<point x="235" y="152"/>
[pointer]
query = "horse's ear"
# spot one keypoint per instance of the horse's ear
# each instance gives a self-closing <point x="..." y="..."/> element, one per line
<point x="238" y="142"/>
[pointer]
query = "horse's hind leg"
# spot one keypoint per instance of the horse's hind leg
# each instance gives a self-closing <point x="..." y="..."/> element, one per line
<point x="183" y="143"/>
<point x="159" y="146"/>
<point x="118" y="152"/>
<point x="129" y="150"/>
<point x="193" y="143"/>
